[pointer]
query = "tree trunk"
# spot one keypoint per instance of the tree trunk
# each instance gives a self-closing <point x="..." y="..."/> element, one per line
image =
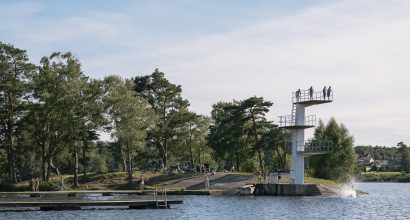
<point x="75" y="166"/>
<point x="48" y="166"/>
<point x="191" y="154"/>
<point x="12" y="165"/>
<point x="237" y="163"/>
<point x="129" y="165"/>
<point x="43" y="161"/>
<point x="11" y="154"/>
<point x="256" y="141"/>
<point x="85" y="147"/>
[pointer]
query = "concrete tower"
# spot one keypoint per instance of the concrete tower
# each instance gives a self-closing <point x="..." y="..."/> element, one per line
<point x="297" y="122"/>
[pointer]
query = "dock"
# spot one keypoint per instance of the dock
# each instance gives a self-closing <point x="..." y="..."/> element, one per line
<point x="76" y="205"/>
<point x="46" y="200"/>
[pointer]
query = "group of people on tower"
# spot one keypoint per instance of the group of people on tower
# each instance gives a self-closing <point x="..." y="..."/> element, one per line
<point x="326" y="93"/>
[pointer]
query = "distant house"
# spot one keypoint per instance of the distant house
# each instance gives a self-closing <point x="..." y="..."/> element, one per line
<point x="364" y="160"/>
<point x="394" y="165"/>
<point x="379" y="168"/>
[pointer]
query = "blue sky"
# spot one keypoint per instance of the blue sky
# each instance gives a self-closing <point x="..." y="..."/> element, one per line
<point x="223" y="50"/>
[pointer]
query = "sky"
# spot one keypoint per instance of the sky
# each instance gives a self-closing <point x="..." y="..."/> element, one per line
<point x="234" y="49"/>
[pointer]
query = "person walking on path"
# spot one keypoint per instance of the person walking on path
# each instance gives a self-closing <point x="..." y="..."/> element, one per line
<point x="324" y="93"/>
<point x="142" y="183"/>
<point x="206" y="181"/>
<point x="33" y="184"/>
<point x="329" y="92"/>
<point x="311" y="92"/>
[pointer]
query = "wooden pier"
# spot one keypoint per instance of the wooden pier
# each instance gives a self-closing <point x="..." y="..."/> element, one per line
<point x="14" y="200"/>
<point x="75" y="205"/>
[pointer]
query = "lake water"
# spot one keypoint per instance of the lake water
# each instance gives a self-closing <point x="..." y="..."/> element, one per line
<point x="384" y="201"/>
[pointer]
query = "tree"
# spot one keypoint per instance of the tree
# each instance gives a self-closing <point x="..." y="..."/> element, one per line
<point x="340" y="164"/>
<point x="274" y="139"/>
<point x="226" y="133"/>
<point x="254" y="110"/>
<point x="59" y="111"/>
<point x="15" y="75"/>
<point x="169" y="107"/>
<point x="405" y="157"/>
<point x="192" y="146"/>
<point x="130" y="116"/>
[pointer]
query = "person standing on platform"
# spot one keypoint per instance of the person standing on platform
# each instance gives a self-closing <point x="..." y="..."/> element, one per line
<point x="311" y="92"/>
<point x="297" y="95"/>
<point x="324" y="93"/>
<point x="329" y="92"/>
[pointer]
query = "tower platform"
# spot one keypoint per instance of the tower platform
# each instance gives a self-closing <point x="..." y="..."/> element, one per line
<point x="289" y="122"/>
<point x="310" y="148"/>
<point x="316" y="98"/>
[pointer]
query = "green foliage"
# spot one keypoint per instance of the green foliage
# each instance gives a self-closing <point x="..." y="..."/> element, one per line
<point x="240" y="134"/>
<point x="129" y="115"/>
<point x="340" y="164"/>
<point x="15" y="84"/>
<point x="405" y="157"/>
<point x="170" y="108"/>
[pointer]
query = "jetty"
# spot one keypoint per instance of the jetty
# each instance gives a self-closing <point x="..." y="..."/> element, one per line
<point x="47" y="200"/>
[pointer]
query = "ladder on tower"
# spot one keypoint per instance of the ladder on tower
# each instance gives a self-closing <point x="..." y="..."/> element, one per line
<point x="293" y="117"/>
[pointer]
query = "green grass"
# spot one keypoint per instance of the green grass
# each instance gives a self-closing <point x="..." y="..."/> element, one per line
<point x="385" y="177"/>
<point x="330" y="183"/>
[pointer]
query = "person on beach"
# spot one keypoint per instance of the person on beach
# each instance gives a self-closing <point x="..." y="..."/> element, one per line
<point x="260" y="176"/>
<point x="324" y="93"/>
<point x="206" y="181"/>
<point x="329" y="92"/>
<point x="37" y="184"/>
<point x="142" y="183"/>
<point x="311" y="92"/>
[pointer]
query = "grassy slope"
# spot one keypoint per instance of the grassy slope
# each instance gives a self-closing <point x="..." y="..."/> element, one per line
<point x="118" y="181"/>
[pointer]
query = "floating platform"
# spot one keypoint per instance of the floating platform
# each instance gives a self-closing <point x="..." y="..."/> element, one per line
<point x="77" y="204"/>
<point x="78" y="192"/>
<point x="286" y="190"/>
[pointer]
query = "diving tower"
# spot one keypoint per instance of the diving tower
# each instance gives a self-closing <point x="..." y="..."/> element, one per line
<point x="297" y="122"/>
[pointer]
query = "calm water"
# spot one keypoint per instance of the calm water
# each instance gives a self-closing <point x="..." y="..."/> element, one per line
<point x="384" y="201"/>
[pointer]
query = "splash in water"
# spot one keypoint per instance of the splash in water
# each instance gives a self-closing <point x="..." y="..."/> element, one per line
<point x="348" y="190"/>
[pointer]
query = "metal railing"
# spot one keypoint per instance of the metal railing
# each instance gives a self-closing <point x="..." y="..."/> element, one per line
<point x="290" y="120"/>
<point x="310" y="146"/>
<point x="305" y="96"/>
<point x="318" y="146"/>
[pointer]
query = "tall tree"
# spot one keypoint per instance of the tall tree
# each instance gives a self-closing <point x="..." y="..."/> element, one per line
<point x="273" y="139"/>
<point x="340" y="164"/>
<point x="254" y="110"/>
<point x="130" y="116"/>
<point x="169" y="107"/>
<point x="226" y="133"/>
<point x="60" y="88"/>
<point x="15" y="76"/>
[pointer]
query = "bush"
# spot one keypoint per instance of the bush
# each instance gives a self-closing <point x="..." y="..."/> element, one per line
<point x="51" y="185"/>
